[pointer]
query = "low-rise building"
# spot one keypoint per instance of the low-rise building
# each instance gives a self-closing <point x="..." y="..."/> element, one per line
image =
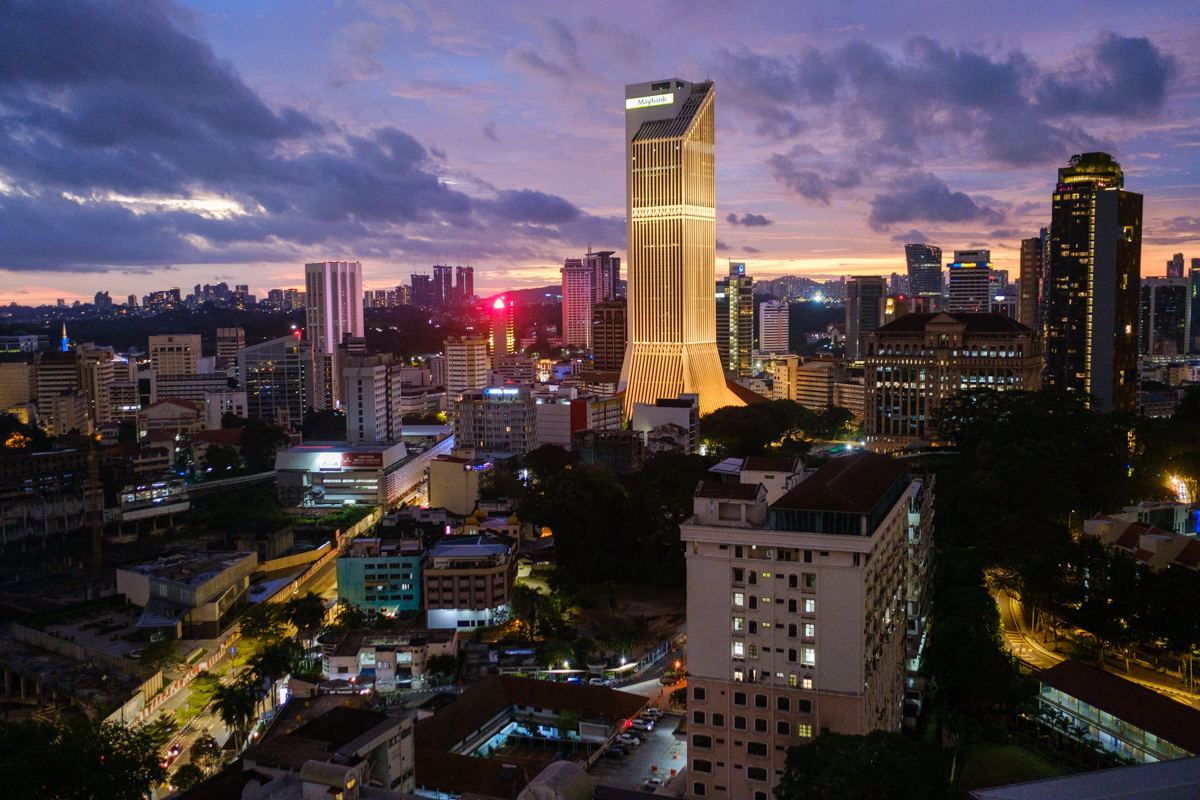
<point x="382" y="659"/>
<point x="815" y="380"/>
<point x="1154" y="547"/>
<point x="192" y="596"/>
<point x="683" y="411"/>
<point x="561" y="415"/>
<point x="335" y="474"/>
<point x="499" y="419"/>
<point x="469" y="580"/>
<point x="617" y="450"/>
<point x="383" y="576"/>
<point x="179" y="417"/>
<point x="218" y="404"/>
<point x="454" y="481"/>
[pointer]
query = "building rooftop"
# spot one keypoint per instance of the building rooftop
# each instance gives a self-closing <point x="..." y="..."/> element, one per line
<point x="349" y="643"/>
<point x="854" y="484"/>
<point x="747" y="396"/>
<point x="468" y="546"/>
<point x="191" y="569"/>
<point x="727" y="491"/>
<point x="1127" y="701"/>
<point x="981" y="322"/>
<point x="788" y="464"/>
<point x="1164" y="780"/>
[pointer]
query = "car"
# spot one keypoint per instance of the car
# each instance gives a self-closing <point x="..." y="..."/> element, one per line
<point x="596" y="682"/>
<point x="652" y="713"/>
<point x="613" y="752"/>
<point x="671" y="678"/>
<point x="640" y="735"/>
<point x="653" y="783"/>
<point x="642" y="724"/>
<point x="624" y="748"/>
<point x="632" y="741"/>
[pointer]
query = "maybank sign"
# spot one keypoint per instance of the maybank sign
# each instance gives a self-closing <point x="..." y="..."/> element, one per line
<point x="652" y="100"/>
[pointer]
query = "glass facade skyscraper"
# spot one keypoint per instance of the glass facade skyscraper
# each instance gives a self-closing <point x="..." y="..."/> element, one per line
<point x="924" y="269"/>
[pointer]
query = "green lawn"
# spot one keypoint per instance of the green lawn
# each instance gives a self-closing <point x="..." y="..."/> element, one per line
<point x="1003" y="764"/>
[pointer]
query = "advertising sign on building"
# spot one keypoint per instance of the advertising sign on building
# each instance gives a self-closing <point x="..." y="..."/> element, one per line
<point x="362" y="460"/>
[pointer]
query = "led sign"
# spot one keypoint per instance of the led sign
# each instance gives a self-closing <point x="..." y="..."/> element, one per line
<point x="653" y="100"/>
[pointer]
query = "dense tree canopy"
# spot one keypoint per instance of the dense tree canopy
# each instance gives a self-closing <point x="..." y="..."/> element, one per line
<point x="880" y="766"/>
<point x="780" y="426"/>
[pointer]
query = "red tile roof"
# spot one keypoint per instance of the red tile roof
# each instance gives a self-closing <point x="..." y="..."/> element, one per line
<point x="853" y="484"/>
<point x="1190" y="555"/>
<point x="218" y="436"/>
<point x="175" y="401"/>
<point x="1127" y="701"/>
<point x="745" y="395"/>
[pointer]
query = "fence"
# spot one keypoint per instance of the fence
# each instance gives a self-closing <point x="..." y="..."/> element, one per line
<point x="79" y="652"/>
<point x="179" y="683"/>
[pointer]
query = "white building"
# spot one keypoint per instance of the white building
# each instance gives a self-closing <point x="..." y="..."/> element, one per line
<point x="334" y="310"/>
<point x="773" y="327"/>
<point x="560" y="416"/>
<point x="466" y="366"/>
<point x="498" y="419"/>
<point x="175" y="355"/>
<point x="577" y="303"/>
<point x="683" y="411"/>
<point x="335" y="474"/>
<point x="218" y="404"/>
<point x="388" y="659"/>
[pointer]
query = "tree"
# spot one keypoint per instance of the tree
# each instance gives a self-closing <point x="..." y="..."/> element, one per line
<point x="566" y="722"/>
<point x="160" y="655"/>
<point x="550" y="459"/>
<point x="189" y="776"/>
<point x="260" y="441"/>
<point x="442" y="666"/>
<point x="324" y="426"/>
<point x="79" y="759"/>
<point x="221" y="460"/>
<point x="350" y="618"/>
<point x="497" y="484"/>
<point x="678" y="698"/>
<point x="307" y="613"/>
<point x="882" y="765"/>
<point x="273" y="662"/>
<point x="127" y="432"/>
<point x="264" y="622"/>
<point x="236" y="705"/>
<point x="232" y="420"/>
<point x="205" y="753"/>
<point x="533" y="613"/>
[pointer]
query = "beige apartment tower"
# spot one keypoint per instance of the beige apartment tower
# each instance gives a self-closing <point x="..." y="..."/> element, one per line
<point x="670" y="200"/>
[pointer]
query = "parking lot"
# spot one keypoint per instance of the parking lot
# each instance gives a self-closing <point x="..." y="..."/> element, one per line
<point x="660" y="749"/>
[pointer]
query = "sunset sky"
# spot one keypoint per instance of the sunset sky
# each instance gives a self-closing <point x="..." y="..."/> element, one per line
<point x="148" y="145"/>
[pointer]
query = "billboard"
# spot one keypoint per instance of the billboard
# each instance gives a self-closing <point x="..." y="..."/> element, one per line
<point x="652" y="100"/>
<point x="362" y="460"/>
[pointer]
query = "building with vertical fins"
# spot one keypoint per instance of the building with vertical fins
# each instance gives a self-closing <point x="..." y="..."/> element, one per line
<point x="334" y="311"/>
<point x="671" y="222"/>
<point x="924" y="269"/>
<point x="1093" y="283"/>
<point x="866" y="301"/>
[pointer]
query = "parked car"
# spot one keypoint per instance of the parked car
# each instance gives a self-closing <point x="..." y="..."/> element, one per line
<point x="624" y="748"/>
<point x="613" y="752"/>
<point x="597" y="682"/>
<point x="632" y="741"/>
<point x="642" y="724"/>
<point x="652" y="783"/>
<point x="652" y="713"/>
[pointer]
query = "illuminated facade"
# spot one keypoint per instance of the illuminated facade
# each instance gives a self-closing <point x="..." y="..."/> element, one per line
<point x="576" y="303"/>
<point x="970" y="281"/>
<point x="671" y="219"/>
<point x="924" y="269"/>
<point x="735" y="320"/>
<point x="1093" y="282"/>
<point x="503" y="340"/>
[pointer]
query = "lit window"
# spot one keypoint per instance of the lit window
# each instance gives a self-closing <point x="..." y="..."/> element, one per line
<point x="807" y="683"/>
<point x="792" y="680"/>
<point x="754" y="651"/>
<point x="810" y="656"/>
<point x="739" y="649"/>
<point x="810" y="606"/>
<point x="810" y="630"/>
<point x="804" y="730"/>
<point x="739" y="675"/>
<point x="739" y="623"/>
<point x="739" y="599"/>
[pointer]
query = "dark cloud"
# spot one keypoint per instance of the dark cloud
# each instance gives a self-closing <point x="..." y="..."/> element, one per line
<point x="749" y="249"/>
<point x="722" y="246"/>
<point x="749" y="220"/>
<point x="1018" y="112"/>
<point x="1032" y="209"/>
<point x="1005" y="233"/>
<point x="127" y="142"/>
<point x="489" y="130"/>
<point x="1175" y="231"/>
<point x="807" y="175"/>
<point x="913" y="236"/>
<point x="924" y="196"/>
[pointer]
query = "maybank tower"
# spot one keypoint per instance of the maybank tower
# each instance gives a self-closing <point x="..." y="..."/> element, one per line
<point x="670" y="201"/>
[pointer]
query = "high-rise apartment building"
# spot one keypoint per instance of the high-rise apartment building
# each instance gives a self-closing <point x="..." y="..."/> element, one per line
<point x="735" y="320"/>
<point x="229" y="341"/>
<point x="916" y="360"/>
<point x="609" y="335"/>
<point x="970" y="281"/>
<point x="800" y="609"/>
<point x="1030" y="295"/>
<point x="866" y="305"/>
<point x="466" y="366"/>
<point x="1175" y="266"/>
<point x="176" y="355"/>
<point x="56" y="373"/>
<point x="606" y="274"/>
<point x="443" y="284"/>
<point x="422" y="293"/>
<point x="1194" y="301"/>
<point x="670" y="201"/>
<point x="465" y="286"/>
<point x="334" y="311"/>
<point x="503" y="313"/>
<point x="1165" y="319"/>
<point x="277" y="376"/>
<point x="373" y="392"/>
<point x="773" y="327"/>
<point x="98" y="371"/>
<point x="924" y="269"/>
<point x="1093" y="283"/>
<point x="576" y="303"/>
<point x="500" y="418"/>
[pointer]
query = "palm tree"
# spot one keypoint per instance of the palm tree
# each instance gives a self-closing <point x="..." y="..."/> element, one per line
<point x="236" y="704"/>
<point x="273" y="662"/>
<point x="306" y="613"/>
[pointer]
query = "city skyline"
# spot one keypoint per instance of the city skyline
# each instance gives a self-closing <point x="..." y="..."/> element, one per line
<point x="816" y="175"/>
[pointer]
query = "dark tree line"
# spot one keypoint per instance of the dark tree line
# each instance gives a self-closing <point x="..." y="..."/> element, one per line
<point x="782" y="427"/>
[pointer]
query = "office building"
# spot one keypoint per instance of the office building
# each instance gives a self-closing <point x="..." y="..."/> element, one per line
<point x="1030" y="294"/>
<point x="443" y="284"/>
<point x="559" y="418"/>
<point x="218" y="404"/>
<point x="682" y="412"/>
<point x="815" y="380"/>
<point x="784" y="377"/>
<point x="372" y="403"/>
<point x="175" y="355"/>
<point x="1175" y="266"/>
<point x="331" y="475"/>
<point x="924" y="269"/>
<point x="277" y="377"/>
<point x="576" y="304"/>
<point x="497" y="419"/>
<point x="421" y="292"/>
<point x="915" y="361"/>
<point x="192" y="596"/>
<point x="735" y="320"/>
<point x="809" y="632"/>
<point x="469" y="580"/>
<point x="465" y="283"/>
<point x="56" y="373"/>
<point x="503" y="313"/>
<point x="609" y="335"/>
<point x="1165" y="318"/>
<point x="99" y="368"/>
<point x="334" y="310"/>
<point x="381" y="576"/>
<point x="1194" y="303"/>
<point x="606" y="274"/>
<point x="672" y="244"/>
<point x="1093" y="283"/>
<point x="866" y="303"/>
<point x="773" y="327"/>
<point x="466" y="366"/>
<point x="970" y="281"/>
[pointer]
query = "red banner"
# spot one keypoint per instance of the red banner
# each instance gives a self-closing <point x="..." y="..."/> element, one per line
<point x="362" y="460"/>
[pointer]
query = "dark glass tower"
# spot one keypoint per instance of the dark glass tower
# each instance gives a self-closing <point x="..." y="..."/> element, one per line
<point x="1093" y="283"/>
<point x="735" y="320"/>
<point x="924" y="269"/>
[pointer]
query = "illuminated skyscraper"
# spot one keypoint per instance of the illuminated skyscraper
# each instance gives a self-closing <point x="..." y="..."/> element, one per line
<point x="503" y="340"/>
<point x="576" y="303"/>
<point x="671" y="218"/>
<point x="970" y="281"/>
<point x="443" y="284"/>
<point x="924" y="269"/>
<point x="1093" y="283"/>
<point x="465" y="287"/>
<point x="1175" y="266"/>
<point x="735" y="320"/>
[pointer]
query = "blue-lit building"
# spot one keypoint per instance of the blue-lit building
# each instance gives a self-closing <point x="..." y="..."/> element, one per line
<point x="383" y="576"/>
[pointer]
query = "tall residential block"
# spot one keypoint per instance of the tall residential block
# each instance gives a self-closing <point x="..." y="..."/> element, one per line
<point x="735" y="320"/>
<point x="1165" y="318"/>
<point x="334" y="310"/>
<point x="1175" y="266"/>
<point x="277" y="376"/>
<point x="175" y="355"/>
<point x="576" y="303"/>
<point x="443" y="284"/>
<point x="670" y="215"/>
<point x="609" y="335"/>
<point x="1093" y="283"/>
<point x="606" y="274"/>
<point x="773" y="327"/>
<point x="918" y="359"/>
<point x="866" y="305"/>
<point x="229" y="341"/>
<point x="970" y="281"/>
<point x="466" y="366"/>
<point x="924" y="269"/>
<point x="465" y="283"/>
<point x="502" y="419"/>
<point x="800" y="616"/>
<point x="1030" y="294"/>
<point x="372" y="401"/>
<point x="503" y="313"/>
